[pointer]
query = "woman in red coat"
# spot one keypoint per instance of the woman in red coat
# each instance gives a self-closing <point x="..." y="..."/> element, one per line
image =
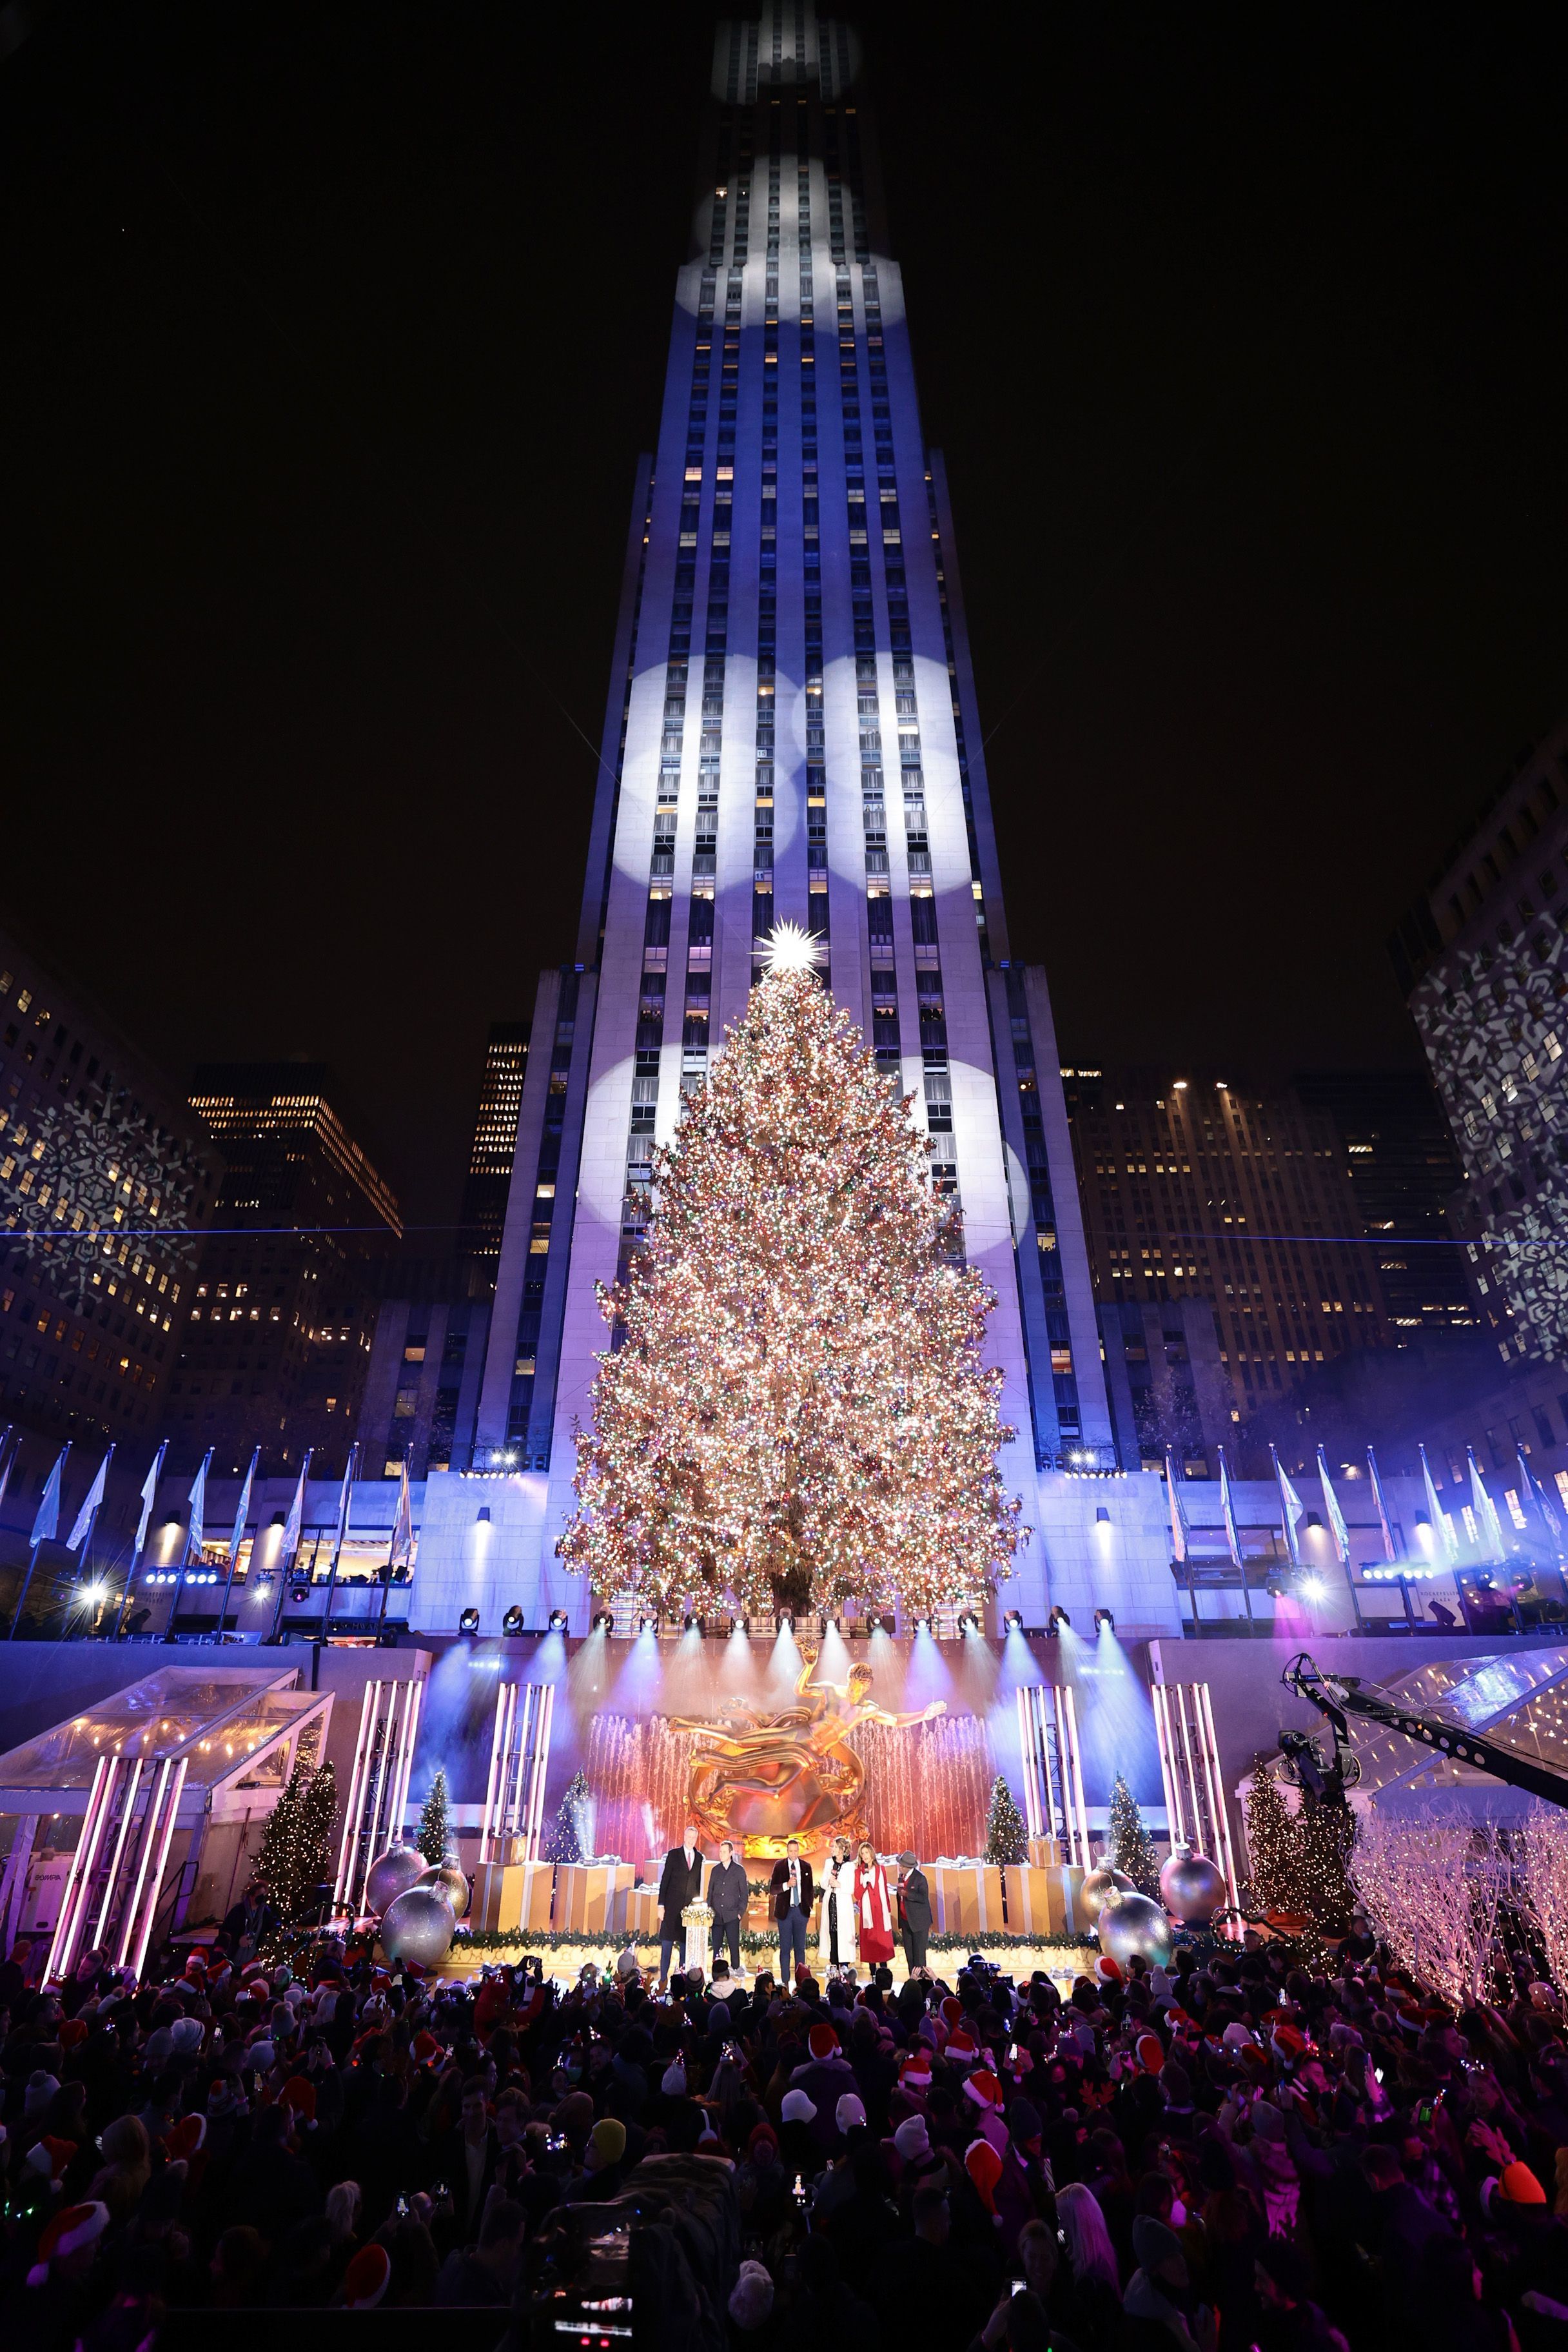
<point x="873" y="1906"/>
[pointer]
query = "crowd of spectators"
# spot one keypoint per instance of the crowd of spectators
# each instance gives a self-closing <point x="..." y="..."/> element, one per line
<point x="1236" y="2151"/>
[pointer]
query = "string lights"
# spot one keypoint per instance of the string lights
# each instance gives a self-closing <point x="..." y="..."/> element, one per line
<point x="796" y="1414"/>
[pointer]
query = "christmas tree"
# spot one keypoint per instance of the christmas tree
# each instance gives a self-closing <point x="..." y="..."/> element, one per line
<point x="1132" y="1849"/>
<point x="1273" y="1848"/>
<point x="1301" y="1860"/>
<point x="795" y="1413"/>
<point x="318" y="1824"/>
<point x="431" y="1836"/>
<point x="564" y="1838"/>
<point x="1006" y="1839"/>
<point x="295" y="1846"/>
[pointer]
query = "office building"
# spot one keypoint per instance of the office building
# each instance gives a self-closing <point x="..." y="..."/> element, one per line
<point x="1403" y="1173"/>
<point x="105" y="1189"/>
<point x="421" y="1384"/>
<point x="1483" y="960"/>
<point x="791" y="734"/>
<point x="493" y="1149"/>
<point x="277" y="1340"/>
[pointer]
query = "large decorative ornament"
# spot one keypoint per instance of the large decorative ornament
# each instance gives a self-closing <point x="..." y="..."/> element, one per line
<point x="1192" y="1888"/>
<point x="1103" y="1887"/>
<point x="391" y="1874"/>
<point x="450" y="1875"/>
<point x="418" y="1924"/>
<point x="1134" y="1927"/>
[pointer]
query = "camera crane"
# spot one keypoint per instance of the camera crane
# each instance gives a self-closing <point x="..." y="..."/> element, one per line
<point x="1337" y="1697"/>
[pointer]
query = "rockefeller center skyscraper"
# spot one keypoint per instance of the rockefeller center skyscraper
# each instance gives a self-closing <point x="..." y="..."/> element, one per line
<point x="791" y="735"/>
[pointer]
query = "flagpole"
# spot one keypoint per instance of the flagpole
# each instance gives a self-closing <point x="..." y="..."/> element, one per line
<point x="84" y="1571"/>
<point x="198" y="1487"/>
<point x="342" y="1529"/>
<point x="239" y="1538"/>
<point x="41" y="1533"/>
<point x="285" y="1563"/>
<point x="148" y="1495"/>
<point x="405" y="1512"/>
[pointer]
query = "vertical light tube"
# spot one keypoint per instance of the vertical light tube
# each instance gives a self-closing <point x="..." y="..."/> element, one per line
<point x="410" y="1734"/>
<point x="149" y="1827"/>
<point x="1210" y="1789"/>
<point x="85" y="1877"/>
<point x="155" y="1885"/>
<point x="1076" y="1773"/>
<point x="1031" y="1764"/>
<point x="1192" y="1781"/>
<point x="517" y="1703"/>
<point x="501" y="1690"/>
<point x="373" y="1796"/>
<point x="544" y="1719"/>
<point x="68" y="1893"/>
<point x="355" y="1793"/>
<point x="1226" y="1858"/>
<point x="127" y="1813"/>
<point x="1162" y="1741"/>
<point x="1069" y="1827"/>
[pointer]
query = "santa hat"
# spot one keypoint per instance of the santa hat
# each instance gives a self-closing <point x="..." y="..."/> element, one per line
<point x="915" y="2072"/>
<point x="823" y="2041"/>
<point x="983" y="2166"/>
<point x="300" y="2097"/>
<point x="1288" y="2043"/>
<point x="365" y="2279"/>
<point x="961" y="2047"/>
<point x="1150" y="2052"/>
<point x="1108" y="1971"/>
<point x="951" y="2012"/>
<point x="1517" y="2185"/>
<point x="220" y="1971"/>
<point x="73" y="2227"/>
<point x="984" y="2088"/>
<point x="50" y="2157"/>
<point x="425" y="2049"/>
<point x="71" y="2031"/>
<point x="188" y="2136"/>
<point x="1254" y="2059"/>
<point x="1236" y="2036"/>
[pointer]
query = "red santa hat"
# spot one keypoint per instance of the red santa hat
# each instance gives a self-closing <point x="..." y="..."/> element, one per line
<point x="983" y="2166"/>
<point x="365" y="2279"/>
<point x="1150" y="2052"/>
<point x="961" y="2047"/>
<point x="50" y="2157"/>
<point x="300" y="2097"/>
<point x="71" y="2031"/>
<point x="984" y="2088"/>
<point x="73" y="2227"/>
<point x="188" y="2136"/>
<point x="823" y="2041"/>
<point x="425" y="2049"/>
<point x="915" y="2073"/>
<point x="951" y="2012"/>
<point x="1108" y="1971"/>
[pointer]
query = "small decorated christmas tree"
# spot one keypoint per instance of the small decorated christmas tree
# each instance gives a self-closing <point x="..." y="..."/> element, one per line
<point x="1275" y="1876"/>
<point x="564" y="1838"/>
<point x="318" y="1825"/>
<point x="295" y="1856"/>
<point x="1299" y="1862"/>
<point x="1132" y="1849"/>
<point x="1006" y="1839"/>
<point x="431" y="1837"/>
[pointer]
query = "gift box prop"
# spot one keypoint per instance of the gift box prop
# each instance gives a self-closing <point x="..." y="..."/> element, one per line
<point x="513" y="1896"/>
<point x="591" y="1897"/>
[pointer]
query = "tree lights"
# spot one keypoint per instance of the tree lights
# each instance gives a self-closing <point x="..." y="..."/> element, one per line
<point x="796" y="1412"/>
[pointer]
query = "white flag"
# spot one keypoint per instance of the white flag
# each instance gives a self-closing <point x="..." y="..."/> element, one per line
<point x="149" y="1494"/>
<point x="91" y="1503"/>
<point x="243" y="1513"/>
<point x="1336" y="1516"/>
<point x="1226" y="1509"/>
<point x="403" y="1526"/>
<point x="197" y="1534"/>
<point x="1290" y="1507"/>
<point x="1178" y="1517"/>
<point x="293" y="1527"/>
<point x="1442" y="1525"/>
<point x="1486" y="1509"/>
<point x="46" y="1527"/>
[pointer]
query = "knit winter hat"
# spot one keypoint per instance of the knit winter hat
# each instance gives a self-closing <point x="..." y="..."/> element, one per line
<point x="186" y="2033"/>
<point x="608" y="2139"/>
<point x="751" y="2297"/>
<point x="40" y="2090"/>
<point x="1024" y="2121"/>
<point x="912" y="2139"/>
<point x="848" y="2112"/>
<point x="1153" y="2243"/>
<point x="366" y="2277"/>
<point x="983" y="2166"/>
<point x="674" y="2083"/>
<point x="796" y="2108"/>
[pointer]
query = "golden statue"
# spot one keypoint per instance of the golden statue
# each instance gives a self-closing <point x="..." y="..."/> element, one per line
<point x="766" y="1777"/>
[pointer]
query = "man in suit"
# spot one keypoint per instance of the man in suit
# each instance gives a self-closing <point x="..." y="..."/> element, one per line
<point x="914" y="1910"/>
<point x="681" y="1883"/>
<point x="727" y="1892"/>
<point x="791" y="1891"/>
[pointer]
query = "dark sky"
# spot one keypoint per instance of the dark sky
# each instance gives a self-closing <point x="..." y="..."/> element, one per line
<point x="331" y="336"/>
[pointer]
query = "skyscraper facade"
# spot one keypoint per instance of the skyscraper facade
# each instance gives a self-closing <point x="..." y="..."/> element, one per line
<point x="791" y="735"/>
<point x="494" y="1148"/>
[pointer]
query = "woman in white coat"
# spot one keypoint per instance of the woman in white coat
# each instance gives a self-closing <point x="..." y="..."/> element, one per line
<point x="837" y="1945"/>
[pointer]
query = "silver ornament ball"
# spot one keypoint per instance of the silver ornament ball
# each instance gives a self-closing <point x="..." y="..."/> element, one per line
<point x="450" y="1875"/>
<point x="1134" y="1927"/>
<point x="391" y="1873"/>
<point x="1192" y="1888"/>
<point x="1104" y="1886"/>
<point x="418" y="1925"/>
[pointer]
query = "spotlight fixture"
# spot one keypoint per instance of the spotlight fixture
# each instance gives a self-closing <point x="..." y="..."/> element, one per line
<point x="1013" y="1623"/>
<point x="887" y="1624"/>
<point x="604" y="1622"/>
<point x="512" y="1622"/>
<point x="1314" y="1588"/>
<point x="786" y="1621"/>
<point x="693" y="1623"/>
<point x="923" y="1624"/>
<point x="558" y="1620"/>
<point x="482" y="1516"/>
<point x="648" y="1624"/>
<point x="1101" y="1515"/>
<point x="1104" y="1622"/>
<point x="1056" y="1621"/>
<point x="300" y="1592"/>
<point x="969" y="1622"/>
<point x="469" y="1623"/>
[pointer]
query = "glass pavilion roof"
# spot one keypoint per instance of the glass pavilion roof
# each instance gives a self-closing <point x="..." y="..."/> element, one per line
<point x="215" y="1717"/>
<point x="1519" y="1701"/>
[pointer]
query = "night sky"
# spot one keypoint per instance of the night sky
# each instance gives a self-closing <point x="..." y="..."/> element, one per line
<point x="330" y="339"/>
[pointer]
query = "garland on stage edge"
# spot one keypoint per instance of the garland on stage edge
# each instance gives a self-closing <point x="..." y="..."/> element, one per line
<point x="556" y="1940"/>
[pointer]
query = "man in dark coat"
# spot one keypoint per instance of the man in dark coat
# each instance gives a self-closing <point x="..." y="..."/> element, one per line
<point x="681" y="1883"/>
<point x="914" y="1910"/>
<point x="790" y="1892"/>
<point x="728" y="1892"/>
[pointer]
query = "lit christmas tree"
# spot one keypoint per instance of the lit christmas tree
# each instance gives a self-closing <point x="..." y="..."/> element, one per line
<point x="1007" y="1837"/>
<point x="1132" y="1849"/>
<point x="564" y="1838"/>
<point x="796" y="1414"/>
<point x="295" y="1846"/>
<point x="431" y="1836"/>
<point x="1273" y="1849"/>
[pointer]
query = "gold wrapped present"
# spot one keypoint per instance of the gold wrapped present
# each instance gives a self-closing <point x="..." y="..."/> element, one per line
<point x="1044" y="1853"/>
<point x="513" y="1894"/>
<point x="1037" y="1901"/>
<point x="642" y="1914"/>
<point x="590" y="1897"/>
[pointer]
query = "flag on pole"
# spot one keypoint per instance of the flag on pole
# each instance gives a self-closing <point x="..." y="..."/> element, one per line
<point x="243" y="1513"/>
<point x="1336" y="1516"/>
<point x="149" y="1492"/>
<point x="1232" y="1539"/>
<point x="1442" y="1525"/>
<point x="9" y="1460"/>
<point x="91" y="1503"/>
<point x="294" y="1525"/>
<point x="403" y="1526"/>
<point x="45" y="1526"/>
<point x="1486" y="1509"/>
<point x="1546" y="1510"/>
<point x="1390" y="1549"/>
<point x="197" y="1535"/>
<point x="345" y="1495"/>
<point x="1291" y="1508"/>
